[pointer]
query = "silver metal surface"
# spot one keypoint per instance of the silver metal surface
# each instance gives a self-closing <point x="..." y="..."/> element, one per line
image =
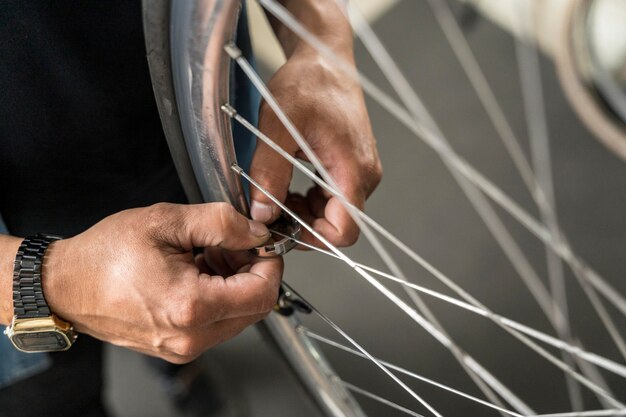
<point x="191" y="76"/>
<point x="198" y="32"/>
<point x="309" y="363"/>
<point x="285" y="234"/>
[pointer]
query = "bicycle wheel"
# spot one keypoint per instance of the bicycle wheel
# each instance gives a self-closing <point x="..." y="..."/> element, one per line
<point x="580" y="366"/>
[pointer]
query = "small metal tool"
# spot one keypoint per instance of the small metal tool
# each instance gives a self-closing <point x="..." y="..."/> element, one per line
<point x="280" y="244"/>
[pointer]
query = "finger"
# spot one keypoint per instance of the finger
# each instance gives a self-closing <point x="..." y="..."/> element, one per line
<point x="239" y="261"/>
<point x="205" y="225"/>
<point x="332" y="220"/>
<point x="242" y="294"/>
<point x="225" y="262"/>
<point x="203" y="266"/>
<point x="299" y="205"/>
<point x="188" y="347"/>
<point x="337" y="226"/>
<point x="269" y="169"/>
<point x="317" y="200"/>
<point x="214" y="257"/>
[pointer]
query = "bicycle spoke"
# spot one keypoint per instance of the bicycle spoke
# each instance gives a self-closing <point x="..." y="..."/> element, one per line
<point x="590" y="357"/>
<point x="482" y="309"/>
<point x="459" y="166"/>
<point x="379" y="399"/>
<point x="428" y="316"/>
<point x="409" y="373"/>
<point x="530" y="79"/>
<point x="471" y="305"/>
<point x="590" y="413"/>
<point x="471" y="67"/>
<point x="529" y="70"/>
<point x="554" y="311"/>
<point x="496" y="227"/>
<point x="413" y="313"/>
<point x="434" y="141"/>
<point x="425" y="324"/>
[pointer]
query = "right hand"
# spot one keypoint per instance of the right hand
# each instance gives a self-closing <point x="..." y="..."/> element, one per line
<point x="131" y="279"/>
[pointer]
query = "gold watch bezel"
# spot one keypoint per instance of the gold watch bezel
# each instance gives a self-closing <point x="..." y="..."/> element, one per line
<point x="52" y="323"/>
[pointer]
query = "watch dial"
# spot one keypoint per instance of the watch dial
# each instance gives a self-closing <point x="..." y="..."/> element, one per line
<point x="44" y="341"/>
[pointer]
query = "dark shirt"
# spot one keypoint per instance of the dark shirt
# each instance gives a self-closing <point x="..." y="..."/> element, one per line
<point x="80" y="138"/>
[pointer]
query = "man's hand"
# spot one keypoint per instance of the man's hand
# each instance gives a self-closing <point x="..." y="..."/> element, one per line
<point x="328" y="108"/>
<point x="132" y="279"/>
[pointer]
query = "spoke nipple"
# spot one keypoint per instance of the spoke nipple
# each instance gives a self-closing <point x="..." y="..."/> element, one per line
<point x="237" y="168"/>
<point x="232" y="50"/>
<point x="229" y="110"/>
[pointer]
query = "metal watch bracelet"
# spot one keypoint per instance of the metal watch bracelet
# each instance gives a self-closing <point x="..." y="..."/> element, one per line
<point x="28" y="297"/>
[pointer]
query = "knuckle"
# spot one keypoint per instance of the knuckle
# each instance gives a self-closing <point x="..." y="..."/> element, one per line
<point x="186" y="348"/>
<point x="275" y="179"/>
<point x="345" y="239"/>
<point x="160" y="210"/>
<point x="161" y="219"/>
<point x="186" y="315"/>
<point x="348" y="238"/>
<point x="373" y="169"/>
<point x="377" y="171"/>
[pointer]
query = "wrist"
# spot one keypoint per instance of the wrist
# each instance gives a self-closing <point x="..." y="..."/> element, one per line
<point x="54" y="280"/>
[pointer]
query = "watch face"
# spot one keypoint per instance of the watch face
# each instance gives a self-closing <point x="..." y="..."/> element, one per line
<point x="43" y="341"/>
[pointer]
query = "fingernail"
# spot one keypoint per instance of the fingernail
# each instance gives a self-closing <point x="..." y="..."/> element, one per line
<point x="258" y="229"/>
<point x="261" y="212"/>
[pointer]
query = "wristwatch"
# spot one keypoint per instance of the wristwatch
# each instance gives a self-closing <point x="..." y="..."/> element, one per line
<point x="34" y="328"/>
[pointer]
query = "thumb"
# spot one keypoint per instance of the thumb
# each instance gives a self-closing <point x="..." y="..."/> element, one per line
<point x="208" y="225"/>
<point x="270" y="169"/>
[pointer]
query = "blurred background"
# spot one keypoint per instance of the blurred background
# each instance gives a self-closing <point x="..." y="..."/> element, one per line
<point x="419" y="202"/>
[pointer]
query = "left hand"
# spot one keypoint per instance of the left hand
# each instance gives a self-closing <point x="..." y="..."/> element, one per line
<point x="329" y="110"/>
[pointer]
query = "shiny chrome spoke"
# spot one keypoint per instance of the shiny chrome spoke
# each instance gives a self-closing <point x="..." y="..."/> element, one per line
<point x="554" y="308"/>
<point x="419" y="319"/>
<point x="565" y="346"/>
<point x="471" y="304"/>
<point x="409" y="373"/>
<point x="433" y="140"/>
<point x="427" y="318"/>
<point x="330" y="342"/>
<point x="369" y="278"/>
<point x="379" y="399"/>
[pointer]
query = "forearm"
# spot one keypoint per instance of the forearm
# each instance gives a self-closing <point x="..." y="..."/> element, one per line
<point x="8" y="249"/>
<point x="324" y="18"/>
